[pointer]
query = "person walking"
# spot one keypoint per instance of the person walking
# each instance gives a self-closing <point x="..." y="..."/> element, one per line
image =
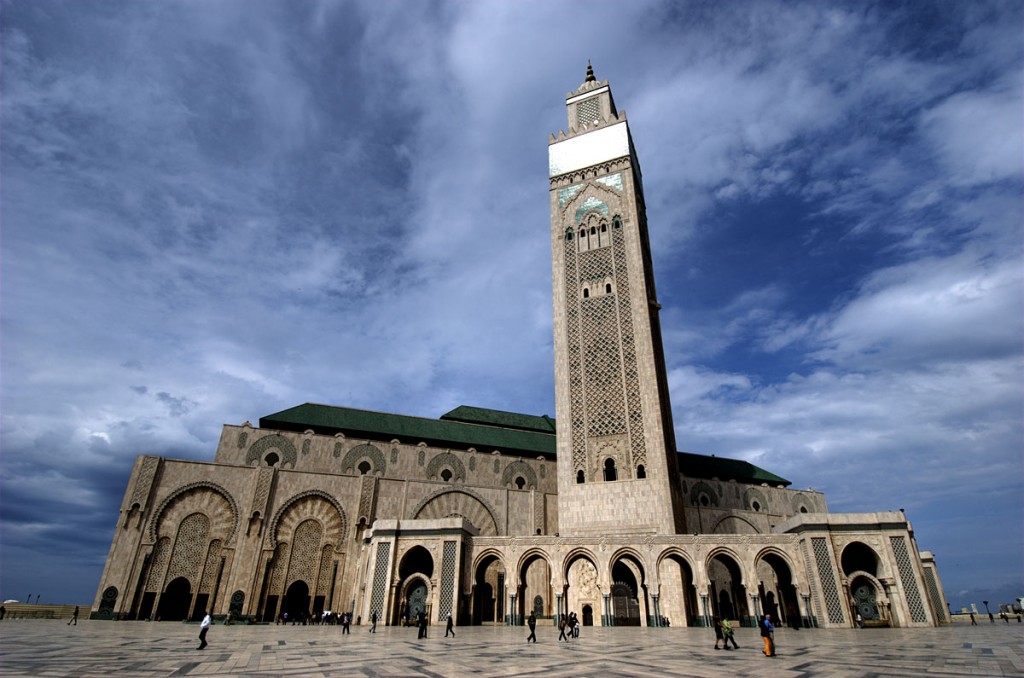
<point x="421" y="623"/>
<point x="74" y="617"/>
<point x="531" y="621"/>
<point x="575" y="625"/>
<point x="561" y="629"/>
<point x="449" y="627"/>
<point x="727" y="633"/>
<point x="974" y="622"/>
<point x="346" y="622"/>
<point x="860" y="621"/>
<point x="203" y="628"/>
<point x="373" y="622"/>
<point x="768" y="636"/>
<point x="719" y="634"/>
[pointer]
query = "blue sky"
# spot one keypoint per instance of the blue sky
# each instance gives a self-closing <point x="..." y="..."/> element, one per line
<point x="212" y="211"/>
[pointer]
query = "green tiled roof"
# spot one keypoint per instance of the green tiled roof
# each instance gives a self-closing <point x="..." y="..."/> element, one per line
<point x="703" y="466"/>
<point x="479" y="415"/>
<point x="328" y="420"/>
<point x="485" y="430"/>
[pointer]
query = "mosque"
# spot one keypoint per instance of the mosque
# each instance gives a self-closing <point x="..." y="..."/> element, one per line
<point x="489" y="515"/>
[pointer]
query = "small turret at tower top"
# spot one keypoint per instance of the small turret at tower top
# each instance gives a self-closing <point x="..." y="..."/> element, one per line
<point x="590" y="73"/>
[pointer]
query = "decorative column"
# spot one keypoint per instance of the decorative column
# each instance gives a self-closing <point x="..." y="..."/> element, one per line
<point x="657" y="611"/>
<point x="558" y="608"/>
<point x="704" y="606"/>
<point x="754" y="607"/>
<point x="511" y="609"/>
<point x="809" y="621"/>
<point x="607" y="619"/>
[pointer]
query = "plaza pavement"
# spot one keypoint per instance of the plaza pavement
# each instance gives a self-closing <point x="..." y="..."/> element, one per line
<point x="102" y="648"/>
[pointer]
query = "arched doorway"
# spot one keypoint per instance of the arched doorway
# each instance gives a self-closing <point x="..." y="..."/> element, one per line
<point x="727" y="593"/>
<point x="859" y="557"/>
<point x="534" y="592"/>
<point x="860" y="564"/>
<point x="414" y="571"/>
<point x="580" y="584"/>
<point x="626" y="593"/>
<point x="678" y="604"/>
<point x="296" y="601"/>
<point x="865" y="601"/>
<point x="777" y="591"/>
<point x="416" y="598"/>
<point x="175" y="601"/>
<point x="489" y="591"/>
<point x="588" y="615"/>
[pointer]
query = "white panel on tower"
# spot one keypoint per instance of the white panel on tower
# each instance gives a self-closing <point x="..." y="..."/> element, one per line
<point x="588" y="149"/>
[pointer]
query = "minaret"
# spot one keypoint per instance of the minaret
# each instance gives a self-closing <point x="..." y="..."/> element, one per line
<point x="617" y="469"/>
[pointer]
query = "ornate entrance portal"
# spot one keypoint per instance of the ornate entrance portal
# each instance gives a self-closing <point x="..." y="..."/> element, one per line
<point x="865" y="599"/>
<point x="416" y="600"/>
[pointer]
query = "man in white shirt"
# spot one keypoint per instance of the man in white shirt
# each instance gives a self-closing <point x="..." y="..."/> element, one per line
<point x="203" y="628"/>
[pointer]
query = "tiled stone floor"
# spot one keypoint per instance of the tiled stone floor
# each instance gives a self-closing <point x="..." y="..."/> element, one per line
<point x="94" y="648"/>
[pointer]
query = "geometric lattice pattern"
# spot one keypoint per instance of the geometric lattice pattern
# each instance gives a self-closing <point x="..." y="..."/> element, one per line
<point x="602" y="366"/>
<point x="899" y="549"/>
<point x="161" y="552"/>
<point x="933" y="593"/>
<point x="279" y="566"/>
<point x="448" y="562"/>
<point x="833" y="605"/>
<point x="604" y="384"/>
<point x="635" y="412"/>
<point x="305" y="552"/>
<point x="576" y="407"/>
<point x="380" y="578"/>
<point x="210" y="570"/>
<point x="587" y="111"/>
<point x="145" y="480"/>
<point x="323" y="580"/>
<point x="189" y="548"/>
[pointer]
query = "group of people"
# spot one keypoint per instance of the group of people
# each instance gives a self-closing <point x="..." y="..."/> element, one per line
<point x="343" y="619"/>
<point x="570" y="623"/>
<point x="725" y="634"/>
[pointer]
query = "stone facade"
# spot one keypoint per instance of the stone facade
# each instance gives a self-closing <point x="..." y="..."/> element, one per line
<point x="489" y="516"/>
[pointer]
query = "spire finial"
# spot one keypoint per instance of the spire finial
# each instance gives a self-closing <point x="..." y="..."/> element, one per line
<point x="590" y="73"/>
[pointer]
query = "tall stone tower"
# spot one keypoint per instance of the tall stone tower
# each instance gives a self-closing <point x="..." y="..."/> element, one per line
<point x="617" y="468"/>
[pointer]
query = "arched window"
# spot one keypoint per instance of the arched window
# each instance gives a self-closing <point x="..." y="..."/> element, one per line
<point x="641" y="472"/>
<point x="271" y="459"/>
<point x="520" y="482"/>
<point x="446" y="475"/>
<point x="364" y="467"/>
<point x="756" y="505"/>
<point x="579" y="477"/>
<point x="604" y="228"/>
<point x="593" y="231"/>
<point x="586" y="293"/>
<point x="607" y="288"/>
<point x="616" y="223"/>
<point x="609" y="469"/>
<point x="568" y="233"/>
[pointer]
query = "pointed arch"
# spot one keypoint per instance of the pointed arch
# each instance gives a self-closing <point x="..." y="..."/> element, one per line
<point x="209" y="498"/>
<point x="449" y="460"/>
<point x="461" y="502"/>
<point x="275" y="441"/>
<point x="365" y="451"/>
<point x="310" y="504"/>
